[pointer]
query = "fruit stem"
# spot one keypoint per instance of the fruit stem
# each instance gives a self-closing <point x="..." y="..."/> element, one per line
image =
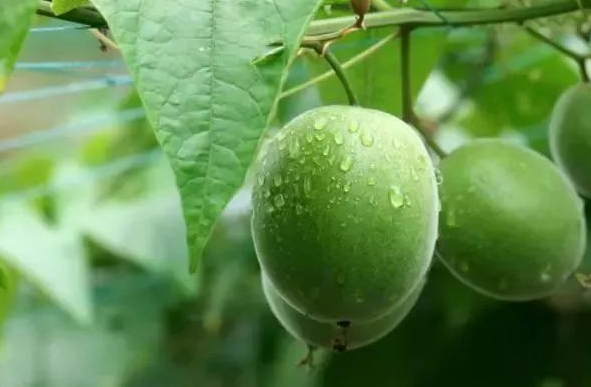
<point x="578" y="58"/>
<point x="408" y="113"/>
<point x="333" y="62"/>
<point x="345" y="65"/>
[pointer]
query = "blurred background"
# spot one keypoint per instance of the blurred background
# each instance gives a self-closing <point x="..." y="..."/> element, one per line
<point x="92" y="246"/>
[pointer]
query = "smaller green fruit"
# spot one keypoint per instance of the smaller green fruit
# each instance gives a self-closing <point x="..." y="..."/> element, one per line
<point x="570" y="136"/>
<point x="332" y="336"/>
<point x="512" y="225"/>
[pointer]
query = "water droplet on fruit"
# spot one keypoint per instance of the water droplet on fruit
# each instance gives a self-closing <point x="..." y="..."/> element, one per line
<point x="545" y="277"/>
<point x="372" y="200"/>
<point x="346" y="164"/>
<point x="294" y="148"/>
<point x="307" y="186"/>
<point x="347" y="186"/>
<point x="341" y="278"/>
<point x="282" y="144"/>
<point x="309" y="136"/>
<point x="353" y="126"/>
<point x="366" y="138"/>
<point x="359" y="298"/>
<point x="396" y="197"/>
<point x="373" y="166"/>
<point x="320" y="136"/>
<point x="320" y="123"/>
<point x="261" y="180"/>
<point x="438" y="176"/>
<point x="326" y="150"/>
<point x="277" y="180"/>
<point x="279" y="201"/>
<point x="267" y="194"/>
<point x="338" y="138"/>
<point x="371" y="181"/>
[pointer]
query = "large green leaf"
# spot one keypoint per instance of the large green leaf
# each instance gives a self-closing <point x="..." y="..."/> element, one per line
<point x="50" y="257"/>
<point x="15" y="17"/>
<point x="192" y="62"/>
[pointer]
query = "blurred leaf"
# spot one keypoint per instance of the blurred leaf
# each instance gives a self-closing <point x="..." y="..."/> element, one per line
<point x="62" y="6"/>
<point x="206" y="101"/>
<point x="146" y="229"/>
<point x="8" y="288"/>
<point x="50" y="257"/>
<point x="15" y="18"/>
<point x="45" y="348"/>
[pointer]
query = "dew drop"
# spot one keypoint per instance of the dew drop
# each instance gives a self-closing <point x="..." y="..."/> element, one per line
<point x="309" y="136"/>
<point x="438" y="176"/>
<point x="358" y="295"/>
<point x="332" y="158"/>
<point x="267" y="194"/>
<point x="279" y="201"/>
<point x="396" y="196"/>
<point x="277" y="180"/>
<point x="545" y="277"/>
<point x="307" y="186"/>
<point x="366" y="138"/>
<point x="346" y="164"/>
<point x="338" y="138"/>
<point x="282" y="144"/>
<point x="261" y="180"/>
<point x="353" y="126"/>
<point x="326" y="150"/>
<point x="371" y="181"/>
<point x="294" y="148"/>
<point x="341" y="278"/>
<point x="319" y="136"/>
<point x="320" y="123"/>
<point x="347" y="186"/>
<point x="316" y="160"/>
<point x="372" y="200"/>
<point x="414" y="175"/>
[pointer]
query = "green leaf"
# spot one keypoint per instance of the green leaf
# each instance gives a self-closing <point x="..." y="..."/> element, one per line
<point x="207" y="101"/>
<point x="62" y="6"/>
<point x="8" y="287"/>
<point x="52" y="258"/>
<point x="145" y="228"/>
<point x="15" y="17"/>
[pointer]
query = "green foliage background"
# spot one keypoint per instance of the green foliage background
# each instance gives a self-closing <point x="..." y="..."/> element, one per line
<point x="92" y="232"/>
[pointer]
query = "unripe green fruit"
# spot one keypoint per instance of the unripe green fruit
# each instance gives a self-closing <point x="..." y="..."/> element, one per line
<point x="512" y="225"/>
<point x="570" y="136"/>
<point x="345" y="213"/>
<point x="330" y="335"/>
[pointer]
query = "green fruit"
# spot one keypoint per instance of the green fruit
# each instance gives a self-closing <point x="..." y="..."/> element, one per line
<point x="345" y="213"/>
<point x="332" y="336"/>
<point x="570" y="136"/>
<point x="512" y="225"/>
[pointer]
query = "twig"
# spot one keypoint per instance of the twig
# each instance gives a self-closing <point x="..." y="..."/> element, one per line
<point x="104" y="39"/>
<point x="345" y="65"/>
<point x="408" y="114"/>
<point x="338" y="70"/>
<point x="398" y="17"/>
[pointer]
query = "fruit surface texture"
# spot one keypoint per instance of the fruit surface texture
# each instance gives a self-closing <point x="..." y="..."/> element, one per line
<point x="570" y="136"/>
<point x="329" y="335"/>
<point x="345" y="213"/>
<point x="512" y="225"/>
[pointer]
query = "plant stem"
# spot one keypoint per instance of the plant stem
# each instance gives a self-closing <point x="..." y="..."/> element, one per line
<point x="578" y="58"/>
<point x="458" y="18"/>
<point x="340" y="73"/>
<point x="381" y="5"/>
<point x="408" y="114"/>
<point x="333" y="62"/>
<point x="84" y="15"/>
<point x="345" y="65"/>
<point x="397" y="17"/>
